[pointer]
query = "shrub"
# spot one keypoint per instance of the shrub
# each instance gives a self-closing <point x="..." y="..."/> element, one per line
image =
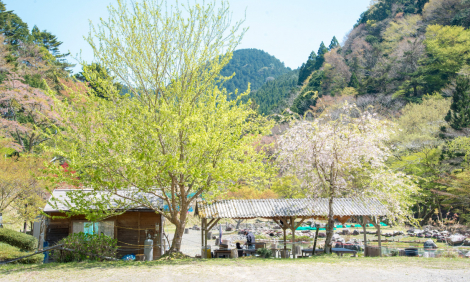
<point x="265" y="253"/>
<point x="84" y="245"/>
<point x="8" y="252"/>
<point x="18" y="239"/>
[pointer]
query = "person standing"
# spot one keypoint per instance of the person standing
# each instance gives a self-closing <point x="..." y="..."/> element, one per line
<point x="250" y="239"/>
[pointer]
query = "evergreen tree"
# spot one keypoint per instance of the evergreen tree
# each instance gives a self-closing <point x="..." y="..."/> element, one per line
<point x="353" y="82"/>
<point x="12" y="27"/>
<point x="307" y="68"/>
<point x="321" y="56"/>
<point x="46" y="40"/>
<point x="459" y="114"/>
<point x="333" y="44"/>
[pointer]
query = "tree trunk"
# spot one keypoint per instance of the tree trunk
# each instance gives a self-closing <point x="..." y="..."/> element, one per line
<point x="178" y="236"/>
<point x="239" y="221"/>
<point x="330" y="227"/>
<point x="25" y="226"/>
<point x="426" y="217"/>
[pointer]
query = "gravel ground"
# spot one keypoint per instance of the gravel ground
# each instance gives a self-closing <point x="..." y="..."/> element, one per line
<point x="191" y="244"/>
<point x="236" y="270"/>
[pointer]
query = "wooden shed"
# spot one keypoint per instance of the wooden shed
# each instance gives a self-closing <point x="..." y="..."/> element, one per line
<point x="130" y="228"/>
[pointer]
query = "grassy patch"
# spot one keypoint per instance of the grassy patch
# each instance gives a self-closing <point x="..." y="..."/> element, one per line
<point x="438" y="263"/>
<point x="8" y="252"/>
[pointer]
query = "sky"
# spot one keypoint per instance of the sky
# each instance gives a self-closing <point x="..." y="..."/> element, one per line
<point x="288" y="30"/>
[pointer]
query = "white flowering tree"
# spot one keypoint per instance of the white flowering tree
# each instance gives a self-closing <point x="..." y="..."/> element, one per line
<point x="343" y="154"/>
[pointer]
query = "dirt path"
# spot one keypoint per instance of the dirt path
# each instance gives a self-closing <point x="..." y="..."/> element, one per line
<point x="243" y="271"/>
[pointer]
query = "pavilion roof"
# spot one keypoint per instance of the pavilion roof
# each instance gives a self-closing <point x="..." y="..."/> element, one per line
<point x="276" y="208"/>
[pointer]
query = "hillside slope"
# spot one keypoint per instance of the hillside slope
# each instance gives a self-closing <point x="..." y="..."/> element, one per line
<point x="398" y="51"/>
<point x="251" y="66"/>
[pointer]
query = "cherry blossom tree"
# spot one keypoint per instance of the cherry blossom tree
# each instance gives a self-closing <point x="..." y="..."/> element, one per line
<point x="343" y="154"/>
<point x="25" y="114"/>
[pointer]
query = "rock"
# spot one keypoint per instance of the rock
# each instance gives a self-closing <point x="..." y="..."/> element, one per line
<point x="321" y="235"/>
<point x="355" y="232"/>
<point x="346" y="231"/>
<point x="429" y="244"/>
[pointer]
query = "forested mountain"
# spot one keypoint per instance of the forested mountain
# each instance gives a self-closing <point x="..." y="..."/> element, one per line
<point x="398" y="51"/>
<point x="273" y="96"/>
<point x="251" y="66"/>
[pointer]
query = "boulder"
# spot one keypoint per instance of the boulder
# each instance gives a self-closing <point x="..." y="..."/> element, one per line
<point x="429" y="244"/>
<point x="356" y="232"/>
<point x="321" y="235"/>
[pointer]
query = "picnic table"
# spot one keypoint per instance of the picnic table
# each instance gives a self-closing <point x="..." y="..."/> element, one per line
<point x="338" y="251"/>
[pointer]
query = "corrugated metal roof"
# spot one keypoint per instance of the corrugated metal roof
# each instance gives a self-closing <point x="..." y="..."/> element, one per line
<point x="62" y="200"/>
<point x="289" y="207"/>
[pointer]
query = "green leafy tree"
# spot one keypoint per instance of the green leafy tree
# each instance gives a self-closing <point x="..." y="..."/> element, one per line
<point x="98" y="79"/>
<point x="177" y="137"/>
<point x="448" y="50"/>
<point x="289" y="187"/>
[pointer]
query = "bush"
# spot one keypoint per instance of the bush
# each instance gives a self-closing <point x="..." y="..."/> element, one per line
<point x="8" y="252"/>
<point x="84" y="245"/>
<point x="265" y="253"/>
<point x="18" y="239"/>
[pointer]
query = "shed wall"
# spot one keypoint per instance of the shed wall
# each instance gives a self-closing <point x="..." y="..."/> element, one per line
<point x="129" y="230"/>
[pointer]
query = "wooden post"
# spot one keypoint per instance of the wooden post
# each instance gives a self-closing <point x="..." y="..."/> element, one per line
<point x="138" y="236"/>
<point x="364" y="223"/>
<point x="205" y="233"/>
<point x="380" y="236"/>
<point x="283" y="224"/>
<point x="292" y="226"/>
<point x="202" y="235"/>
<point x="316" y="237"/>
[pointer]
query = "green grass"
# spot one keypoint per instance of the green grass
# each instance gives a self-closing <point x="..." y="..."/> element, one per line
<point x="8" y="252"/>
<point x="439" y="263"/>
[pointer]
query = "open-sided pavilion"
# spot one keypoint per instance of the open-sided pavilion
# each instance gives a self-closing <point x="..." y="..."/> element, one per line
<point x="285" y="212"/>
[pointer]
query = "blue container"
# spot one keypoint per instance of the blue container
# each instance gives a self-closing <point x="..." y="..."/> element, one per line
<point x="46" y="254"/>
<point x="411" y="252"/>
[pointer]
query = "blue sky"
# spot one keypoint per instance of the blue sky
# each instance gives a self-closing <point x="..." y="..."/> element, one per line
<point x="289" y="30"/>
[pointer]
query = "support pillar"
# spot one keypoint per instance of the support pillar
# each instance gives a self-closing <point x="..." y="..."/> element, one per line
<point x="292" y="226"/>
<point x="316" y="238"/>
<point x="380" y="235"/>
<point x="364" y="223"/>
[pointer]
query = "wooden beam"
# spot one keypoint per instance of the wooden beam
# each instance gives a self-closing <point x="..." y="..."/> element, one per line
<point x="297" y="226"/>
<point x="213" y="224"/>
<point x="278" y="223"/>
<point x="210" y="222"/>
<point x="370" y="220"/>
<point x="342" y="219"/>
